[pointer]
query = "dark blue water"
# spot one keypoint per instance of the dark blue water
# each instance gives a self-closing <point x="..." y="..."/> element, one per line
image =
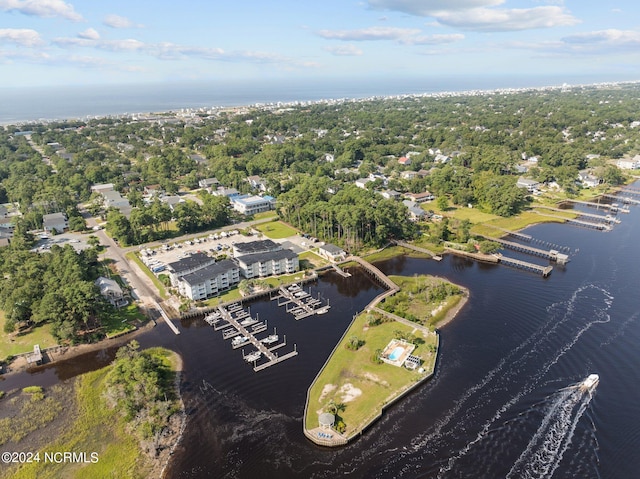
<point x="503" y="402"/>
<point x="79" y="102"/>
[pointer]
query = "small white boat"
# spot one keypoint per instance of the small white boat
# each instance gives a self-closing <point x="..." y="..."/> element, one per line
<point x="254" y="356"/>
<point x="238" y="340"/>
<point x="269" y="339"/>
<point x="590" y="383"/>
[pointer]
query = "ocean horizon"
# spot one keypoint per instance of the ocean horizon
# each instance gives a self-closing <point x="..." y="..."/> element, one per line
<point x="25" y="105"/>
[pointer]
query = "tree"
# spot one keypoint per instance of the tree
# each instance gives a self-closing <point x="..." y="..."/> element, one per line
<point x="442" y="202"/>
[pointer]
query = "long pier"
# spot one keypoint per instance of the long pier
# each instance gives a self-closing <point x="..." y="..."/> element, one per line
<point x="585" y="224"/>
<point x="516" y="263"/>
<point x="551" y="254"/>
<point x="603" y="218"/>
<point x="605" y="206"/>
<point x="166" y="318"/>
<point x="418" y="249"/>
<point x="517" y="234"/>
<point x="624" y="199"/>
<point x="226" y="314"/>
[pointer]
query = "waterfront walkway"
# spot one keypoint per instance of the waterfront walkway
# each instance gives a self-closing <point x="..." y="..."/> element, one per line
<point x="419" y="249"/>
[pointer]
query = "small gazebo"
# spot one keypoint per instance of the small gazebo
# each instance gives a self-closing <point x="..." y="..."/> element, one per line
<point x="326" y="420"/>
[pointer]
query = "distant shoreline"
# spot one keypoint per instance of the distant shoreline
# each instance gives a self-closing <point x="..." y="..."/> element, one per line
<point x="82" y="103"/>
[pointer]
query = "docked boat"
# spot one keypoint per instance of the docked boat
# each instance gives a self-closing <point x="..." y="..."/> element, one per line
<point x="589" y="383"/>
<point x="238" y="340"/>
<point x="254" y="356"/>
<point x="269" y="339"/>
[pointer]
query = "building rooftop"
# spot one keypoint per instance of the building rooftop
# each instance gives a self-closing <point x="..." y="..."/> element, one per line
<point x="107" y="284"/>
<point x="332" y="249"/>
<point x="54" y="217"/>
<point x="190" y="262"/>
<point x="209" y="272"/>
<point x="259" y="246"/>
<point x="267" y="256"/>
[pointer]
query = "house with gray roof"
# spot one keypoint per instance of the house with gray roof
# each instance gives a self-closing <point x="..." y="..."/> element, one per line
<point x="259" y="265"/>
<point x="55" y="222"/>
<point x="210" y="280"/>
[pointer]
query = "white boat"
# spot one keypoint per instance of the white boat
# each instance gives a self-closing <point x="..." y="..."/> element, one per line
<point x="270" y="339"/>
<point x="254" y="356"/>
<point x="238" y="340"/>
<point x="590" y="383"/>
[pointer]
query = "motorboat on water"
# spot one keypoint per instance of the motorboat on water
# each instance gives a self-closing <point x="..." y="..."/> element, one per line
<point x="590" y="382"/>
<point x="238" y="340"/>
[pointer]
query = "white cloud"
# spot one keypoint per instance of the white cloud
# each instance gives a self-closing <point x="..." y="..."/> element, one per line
<point x="344" y="50"/>
<point x="20" y="36"/>
<point x="600" y="40"/>
<point x="372" y="33"/>
<point x="481" y="15"/>
<point x="42" y="8"/>
<point x="405" y="36"/>
<point x="89" y="34"/>
<point x="117" y="21"/>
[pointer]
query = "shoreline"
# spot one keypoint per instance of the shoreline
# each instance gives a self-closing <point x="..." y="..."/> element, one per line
<point x="62" y="353"/>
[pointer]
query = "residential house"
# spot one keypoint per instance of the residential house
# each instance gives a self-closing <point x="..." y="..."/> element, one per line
<point x="113" y="199"/>
<point x="6" y="227"/>
<point x="362" y="182"/>
<point x="390" y="194"/>
<point x="415" y="212"/>
<point x="328" y="157"/>
<point x="111" y="291"/>
<point x="55" y="222"/>
<point x="528" y="183"/>
<point x="332" y="252"/>
<point x="629" y="164"/>
<point x="440" y="158"/>
<point x="151" y="191"/>
<point x="228" y="192"/>
<point x="420" y="197"/>
<point x="3" y="211"/>
<point x="587" y="180"/>
<point x="250" y="205"/>
<point x="210" y="280"/>
<point x="408" y="175"/>
<point x="404" y="161"/>
<point x="172" y="201"/>
<point x="102" y="188"/>
<point x="187" y="265"/>
<point x="257" y="183"/>
<point x="209" y="183"/>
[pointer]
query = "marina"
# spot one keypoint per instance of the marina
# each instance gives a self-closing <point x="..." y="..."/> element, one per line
<point x="237" y="324"/>
<point x="298" y="302"/>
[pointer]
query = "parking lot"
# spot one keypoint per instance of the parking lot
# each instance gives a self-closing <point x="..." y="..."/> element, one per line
<point x="45" y="241"/>
<point x="158" y="258"/>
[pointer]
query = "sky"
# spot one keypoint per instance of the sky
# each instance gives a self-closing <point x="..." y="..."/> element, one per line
<point x="89" y="42"/>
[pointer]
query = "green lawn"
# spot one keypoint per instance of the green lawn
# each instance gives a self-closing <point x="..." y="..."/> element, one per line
<point x="122" y="320"/>
<point x="157" y="283"/>
<point x="17" y="343"/>
<point x="276" y="230"/>
<point x="313" y="259"/>
<point x="265" y="215"/>
<point x="377" y="383"/>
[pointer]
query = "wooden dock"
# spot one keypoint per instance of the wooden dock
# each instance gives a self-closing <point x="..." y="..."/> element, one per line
<point x="516" y="234"/>
<point x="551" y="254"/>
<point x="371" y="269"/>
<point x="166" y="318"/>
<point x="604" y="206"/>
<point x="603" y="218"/>
<point x="625" y="199"/>
<point x="298" y="302"/>
<point x="572" y="221"/>
<point x="516" y="263"/>
<point x="237" y="329"/>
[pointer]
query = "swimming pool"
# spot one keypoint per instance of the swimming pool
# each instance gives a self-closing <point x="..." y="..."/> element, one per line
<point x="395" y="354"/>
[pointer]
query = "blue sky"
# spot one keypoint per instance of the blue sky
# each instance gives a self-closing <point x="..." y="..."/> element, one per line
<point x="89" y="42"/>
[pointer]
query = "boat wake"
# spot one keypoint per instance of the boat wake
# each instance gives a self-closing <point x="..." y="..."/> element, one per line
<point x="546" y="448"/>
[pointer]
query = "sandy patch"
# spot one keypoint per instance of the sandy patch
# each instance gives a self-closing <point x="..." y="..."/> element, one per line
<point x="349" y="392"/>
<point x="373" y="378"/>
<point x="326" y="390"/>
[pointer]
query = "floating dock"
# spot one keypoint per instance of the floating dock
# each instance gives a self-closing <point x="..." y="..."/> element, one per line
<point x="624" y="199"/>
<point x="298" y="302"/>
<point x="232" y="317"/>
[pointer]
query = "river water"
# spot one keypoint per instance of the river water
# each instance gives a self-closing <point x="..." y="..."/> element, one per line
<point x="503" y="402"/>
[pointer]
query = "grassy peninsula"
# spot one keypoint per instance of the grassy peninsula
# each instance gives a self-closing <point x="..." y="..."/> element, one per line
<point x="355" y="384"/>
<point x="93" y="414"/>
